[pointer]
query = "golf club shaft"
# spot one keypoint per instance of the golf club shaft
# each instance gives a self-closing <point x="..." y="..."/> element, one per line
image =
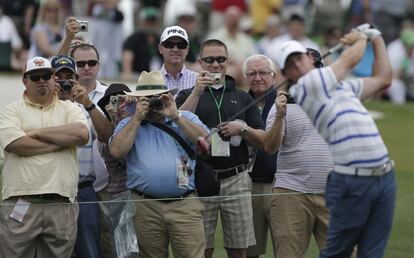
<point x="332" y="50"/>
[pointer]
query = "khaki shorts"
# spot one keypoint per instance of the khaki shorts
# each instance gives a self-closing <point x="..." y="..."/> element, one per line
<point x="179" y="222"/>
<point x="46" y="230"/>
<point x="235" y="205"/>
<point x="295" y="217"/>
<point x="261" y="218"/>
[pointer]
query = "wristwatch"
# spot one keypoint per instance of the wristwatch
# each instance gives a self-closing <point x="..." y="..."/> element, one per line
<point x="90" y="108"/>
<point x="179" y="115"/>
<point x="243" y="130"/>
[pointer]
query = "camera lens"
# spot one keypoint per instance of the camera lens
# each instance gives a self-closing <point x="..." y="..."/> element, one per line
<point x="83" y="27"/>
<point x="65" y="85"/>
<point x="156" y="103"/>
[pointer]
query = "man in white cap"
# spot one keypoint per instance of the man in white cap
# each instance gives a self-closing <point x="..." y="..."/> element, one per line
<point x="361" y="189"/>
<point x="174" y="47"/>
<point x="39" y="135"/>
<point x="160" y="167"/>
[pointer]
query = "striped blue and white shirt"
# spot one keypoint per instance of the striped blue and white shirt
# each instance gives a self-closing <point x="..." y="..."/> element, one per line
<point x="304" y="159"/>
<point x="337" y="112"/>
<point x="185" y="79"/>
<point x="85" y="153"/>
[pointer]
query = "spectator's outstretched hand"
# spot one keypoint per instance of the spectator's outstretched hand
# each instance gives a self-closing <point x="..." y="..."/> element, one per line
<point x="72" y="27"/>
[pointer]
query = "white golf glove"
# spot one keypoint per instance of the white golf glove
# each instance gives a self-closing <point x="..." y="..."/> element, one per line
<point x="369" y="31"/>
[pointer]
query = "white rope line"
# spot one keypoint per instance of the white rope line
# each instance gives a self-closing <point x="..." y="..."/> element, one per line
<point x="150" y="200"/>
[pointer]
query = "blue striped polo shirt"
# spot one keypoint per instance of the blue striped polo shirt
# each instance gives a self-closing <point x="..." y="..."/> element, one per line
<point x="337" y="112"/>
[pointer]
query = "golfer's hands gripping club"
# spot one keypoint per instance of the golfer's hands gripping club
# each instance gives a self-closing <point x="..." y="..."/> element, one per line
<point x="369" y="31"/>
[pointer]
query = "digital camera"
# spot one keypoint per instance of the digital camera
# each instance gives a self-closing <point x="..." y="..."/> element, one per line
<point x="65" y="85"/>
<point x="114" y="102"/>
<point x="155" y="103"/>
<point x="215" y="76"/>
<point x="83" y="25"/>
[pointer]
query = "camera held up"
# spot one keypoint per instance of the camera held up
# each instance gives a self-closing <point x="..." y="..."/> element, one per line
<point x="83" y="25"/>
<point x="155" y="103"/>
<point x="65" y="85"/>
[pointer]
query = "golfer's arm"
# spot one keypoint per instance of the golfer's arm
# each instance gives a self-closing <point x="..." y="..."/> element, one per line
<point x="381" y="73"/>
<point x="349" y="59"/>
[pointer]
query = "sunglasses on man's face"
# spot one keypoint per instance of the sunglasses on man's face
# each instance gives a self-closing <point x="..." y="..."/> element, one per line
<point x="90" y="63"/>
<point x="36" y="77"/>
<point x="211" y="59"/>
<point x="170" y="44"/>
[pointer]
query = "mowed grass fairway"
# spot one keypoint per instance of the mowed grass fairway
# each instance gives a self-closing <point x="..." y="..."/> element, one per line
<point x="397" y="130"/>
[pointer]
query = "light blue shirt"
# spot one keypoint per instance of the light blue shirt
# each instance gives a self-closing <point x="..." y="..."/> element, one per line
<point x="152" y="160"/>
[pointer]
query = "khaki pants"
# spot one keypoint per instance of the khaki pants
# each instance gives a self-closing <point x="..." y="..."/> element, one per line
<point x="261" y="218"/>
<point x="179" y="222"/>
<point x="295" y="217"/>
<point x="46" y="230"/>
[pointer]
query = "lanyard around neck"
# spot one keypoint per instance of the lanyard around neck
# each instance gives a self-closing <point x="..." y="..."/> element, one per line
<point x="218" y="104"/>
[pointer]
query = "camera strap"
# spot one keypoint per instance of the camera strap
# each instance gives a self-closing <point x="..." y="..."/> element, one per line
<point x="190" y="152"/>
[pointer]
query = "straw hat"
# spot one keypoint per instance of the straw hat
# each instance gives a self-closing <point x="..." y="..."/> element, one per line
<point x="152" y="83"/>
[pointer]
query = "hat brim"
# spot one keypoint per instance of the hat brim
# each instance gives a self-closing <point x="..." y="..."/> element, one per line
<point x="39" y="69"/>
<point x="176" y="36"/>
<point x="65" y="67"/>
<point x="146" y="93"/>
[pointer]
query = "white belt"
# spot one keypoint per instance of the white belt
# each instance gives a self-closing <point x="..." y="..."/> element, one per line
<point x="377" y="171"/>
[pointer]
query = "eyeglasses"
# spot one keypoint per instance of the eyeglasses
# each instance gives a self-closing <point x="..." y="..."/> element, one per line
<point x="261" y="74"/>
<point x="170" y="44"/>
<point x="211" y="59"/>
<point x="90" y="63"/>
<point x="36" y="78"/>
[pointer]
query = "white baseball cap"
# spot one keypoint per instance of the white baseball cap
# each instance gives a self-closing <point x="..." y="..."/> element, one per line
<point x="174" y="31"/>
<point x="286" y="49"/>
<point x="37" y="63"/>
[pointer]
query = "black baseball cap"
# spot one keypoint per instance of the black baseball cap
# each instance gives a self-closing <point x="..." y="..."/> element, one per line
<point x="63" y="62"/>
<point x="113" y="89"/>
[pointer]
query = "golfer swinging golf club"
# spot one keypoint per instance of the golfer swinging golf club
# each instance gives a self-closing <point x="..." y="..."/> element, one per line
<point x="361" y="190"/>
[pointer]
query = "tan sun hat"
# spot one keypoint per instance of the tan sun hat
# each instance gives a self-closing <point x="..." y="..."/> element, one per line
<point x="152" y="83"/>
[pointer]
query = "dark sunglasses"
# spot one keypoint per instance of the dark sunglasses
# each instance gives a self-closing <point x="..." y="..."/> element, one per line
<point x="36" y="78"/>
<point x="91" y="63"/>
<point x="170" y="44"/>
<point x="211" y="59"/>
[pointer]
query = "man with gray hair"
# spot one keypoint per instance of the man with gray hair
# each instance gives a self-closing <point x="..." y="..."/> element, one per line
<point x="260" y="75"/>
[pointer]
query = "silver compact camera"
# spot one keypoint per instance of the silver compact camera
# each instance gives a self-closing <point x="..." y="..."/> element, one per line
<point x="215" y="76"/>
<point x="83" y="25"/>
<point x="114" y="104"/>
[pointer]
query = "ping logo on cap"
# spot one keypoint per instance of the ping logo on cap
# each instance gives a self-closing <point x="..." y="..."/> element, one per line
<point x="176" y="31"/>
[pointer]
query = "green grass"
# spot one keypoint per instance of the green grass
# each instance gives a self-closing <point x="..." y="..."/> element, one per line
<point x="397" y="130"/>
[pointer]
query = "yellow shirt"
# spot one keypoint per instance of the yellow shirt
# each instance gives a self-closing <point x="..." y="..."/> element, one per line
<point x="56" y="172"/>
<point x="260" y="11"/>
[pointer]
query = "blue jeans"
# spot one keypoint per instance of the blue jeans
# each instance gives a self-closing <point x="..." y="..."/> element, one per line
<point x="87" y="240"/>
<point x="362" y="209"/>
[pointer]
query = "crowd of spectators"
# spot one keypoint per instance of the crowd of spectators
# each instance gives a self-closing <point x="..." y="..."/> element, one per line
<point x="200" y="76"/>
<point x="31" y="28"/>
